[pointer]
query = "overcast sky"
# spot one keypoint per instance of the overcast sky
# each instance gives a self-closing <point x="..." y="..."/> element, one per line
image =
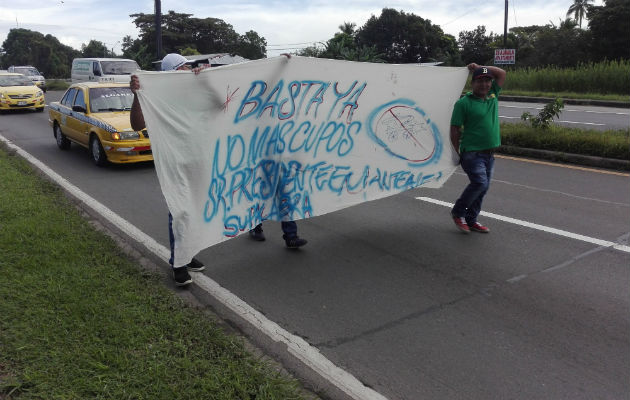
<point x="286" y="25"/>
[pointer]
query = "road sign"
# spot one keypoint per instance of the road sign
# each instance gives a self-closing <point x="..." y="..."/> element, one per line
<point x="504" y="56"/>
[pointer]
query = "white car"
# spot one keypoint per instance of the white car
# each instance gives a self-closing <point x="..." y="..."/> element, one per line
<point x="32" y="73"/>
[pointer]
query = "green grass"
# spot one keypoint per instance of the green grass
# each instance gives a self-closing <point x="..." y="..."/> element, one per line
<point x="608" y="80"/>
<point x="80" y="320"/>
<point x="608" y="144"/>
<point x="608" y="77"/>
<point x="57" y="84"/>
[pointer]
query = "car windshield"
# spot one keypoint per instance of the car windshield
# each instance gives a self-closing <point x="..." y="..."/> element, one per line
<point x="119" y="67"/>
<point x="105" y="99"/>
<point x="26" y="71"/>
<point x="15" y="80"/>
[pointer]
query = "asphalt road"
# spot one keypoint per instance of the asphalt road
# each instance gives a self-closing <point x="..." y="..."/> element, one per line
<point x="391" y="292"/>
<point x="576" y="116"/>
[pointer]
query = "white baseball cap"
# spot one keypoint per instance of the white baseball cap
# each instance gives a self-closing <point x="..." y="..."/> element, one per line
<point x="173" y="61"/>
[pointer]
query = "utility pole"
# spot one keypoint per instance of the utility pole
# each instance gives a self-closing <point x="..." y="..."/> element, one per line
<point x="158" y="29"/>
<point x="505" y="26"/>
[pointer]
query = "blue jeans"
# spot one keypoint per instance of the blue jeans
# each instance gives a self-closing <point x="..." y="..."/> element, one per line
<point x="478" y="166"/>
<point x="171" y="239"/>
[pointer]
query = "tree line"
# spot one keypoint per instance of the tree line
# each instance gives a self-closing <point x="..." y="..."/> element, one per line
<point x="393" y="37"/>
<point x="399" y="37"/>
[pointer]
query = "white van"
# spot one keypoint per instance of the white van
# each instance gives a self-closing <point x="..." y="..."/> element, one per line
<point x="103" y="69"/>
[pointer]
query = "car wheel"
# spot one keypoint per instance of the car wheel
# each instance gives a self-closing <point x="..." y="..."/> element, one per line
<point x="40" y="109"/>
<point x="62" y="141"/>
<point x="98" y="154"/>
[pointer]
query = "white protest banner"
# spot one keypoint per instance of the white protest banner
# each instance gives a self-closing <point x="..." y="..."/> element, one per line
<point x="287" y="139"/>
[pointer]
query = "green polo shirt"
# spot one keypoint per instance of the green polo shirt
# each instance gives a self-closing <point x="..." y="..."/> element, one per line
<point x="479" y="119"/>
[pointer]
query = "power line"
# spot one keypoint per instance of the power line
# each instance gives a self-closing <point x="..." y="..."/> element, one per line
<point x="296" y="44"/>
<point x="289" y="48"/>
<point x="463" y="15"/>
<point x="514" y="12"/>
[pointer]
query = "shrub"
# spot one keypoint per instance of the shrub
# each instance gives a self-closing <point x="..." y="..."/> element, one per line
<point x="608" y="144"/>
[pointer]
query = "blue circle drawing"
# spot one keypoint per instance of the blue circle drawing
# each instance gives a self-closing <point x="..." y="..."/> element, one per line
<point x="405" y="132"/>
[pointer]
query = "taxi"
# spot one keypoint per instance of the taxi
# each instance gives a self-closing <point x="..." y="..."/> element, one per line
<point x="19" y="92"/>
<point x="95" y="115"/>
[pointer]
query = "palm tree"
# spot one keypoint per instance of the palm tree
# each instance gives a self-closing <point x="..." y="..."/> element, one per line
<point x="348" y="27"/>
<point x="579" y="10"/>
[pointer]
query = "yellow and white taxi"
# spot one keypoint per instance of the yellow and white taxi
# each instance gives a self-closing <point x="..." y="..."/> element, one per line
<point x="95" y="115"/>
<point x="19" y="92"/>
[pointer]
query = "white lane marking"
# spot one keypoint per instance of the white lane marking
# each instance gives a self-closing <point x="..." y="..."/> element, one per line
<point x="566" y="122"/>
<point x="559" y="232"/>
<point x="308" y="354"/>
<point x="581" y="123"/>
<point x="570" y="110"/>
<point x="596" y="112"/>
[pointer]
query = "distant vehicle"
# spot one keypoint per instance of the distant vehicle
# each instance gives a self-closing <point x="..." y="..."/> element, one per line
<point x="102" y="69"/>
<point x="32" y="73"/>
<point x="96" y="116"/>
<point x="18" y="91"/>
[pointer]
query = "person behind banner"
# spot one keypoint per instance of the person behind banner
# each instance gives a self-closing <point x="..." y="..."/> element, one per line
<point x="290" y="236"/>
<point x="475" y="135"/>
<point x="170" y="62"/>
<point x="289" y="228"/>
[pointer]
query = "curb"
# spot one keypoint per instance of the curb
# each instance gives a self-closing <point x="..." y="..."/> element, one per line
<point x="591" y="161"/>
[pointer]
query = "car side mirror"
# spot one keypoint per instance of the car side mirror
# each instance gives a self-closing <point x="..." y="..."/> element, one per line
<point x="78" y="109"/>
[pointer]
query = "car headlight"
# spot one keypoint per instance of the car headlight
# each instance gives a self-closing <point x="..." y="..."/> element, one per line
<point x="1" y="95"/>
<point x="39" y="93"/>
<point x="125" y="135"/>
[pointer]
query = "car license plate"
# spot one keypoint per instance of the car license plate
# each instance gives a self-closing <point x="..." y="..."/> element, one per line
<point x="21" y="103"/>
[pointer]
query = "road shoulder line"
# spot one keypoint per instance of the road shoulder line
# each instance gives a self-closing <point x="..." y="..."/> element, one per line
<point x="296" y="346"/>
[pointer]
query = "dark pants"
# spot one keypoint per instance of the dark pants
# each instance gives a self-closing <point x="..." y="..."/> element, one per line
<point x="478" y="166"/>
<point x="289" y="228"/>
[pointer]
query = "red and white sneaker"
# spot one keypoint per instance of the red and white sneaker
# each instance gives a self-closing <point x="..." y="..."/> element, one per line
<point x="460" y="222"/>
<point x="477" y="227"/>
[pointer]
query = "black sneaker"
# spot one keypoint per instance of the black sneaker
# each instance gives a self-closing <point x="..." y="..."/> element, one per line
<point x="257" y="233"/>
<point x="195" y="265"/>
<point x="294" y="242"/>
<point x="181" y="276"/>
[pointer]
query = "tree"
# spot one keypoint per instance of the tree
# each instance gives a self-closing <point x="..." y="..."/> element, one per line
<point x="562" y="46"/>
<point x="610" y="30"/>
<point x="343" y="46"/>
<point x="579" y="10"/>
<point x="207" y="35"/>
<point x="251" y="46"/>
<point x="95" y="48"/>
<point x="405" y="38"/>
<point x="348" y="28"/>
<point x="46" y="53"/>
<point x="139" y="51"/>
<point x="475" y="46"/>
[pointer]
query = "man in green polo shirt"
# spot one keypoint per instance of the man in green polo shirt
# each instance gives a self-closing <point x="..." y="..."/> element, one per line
<point x="475" y="136"/>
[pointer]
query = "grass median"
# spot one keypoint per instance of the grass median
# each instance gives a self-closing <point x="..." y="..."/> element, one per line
<point x="614" y="143"/>
<point x="80" y="320"/>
